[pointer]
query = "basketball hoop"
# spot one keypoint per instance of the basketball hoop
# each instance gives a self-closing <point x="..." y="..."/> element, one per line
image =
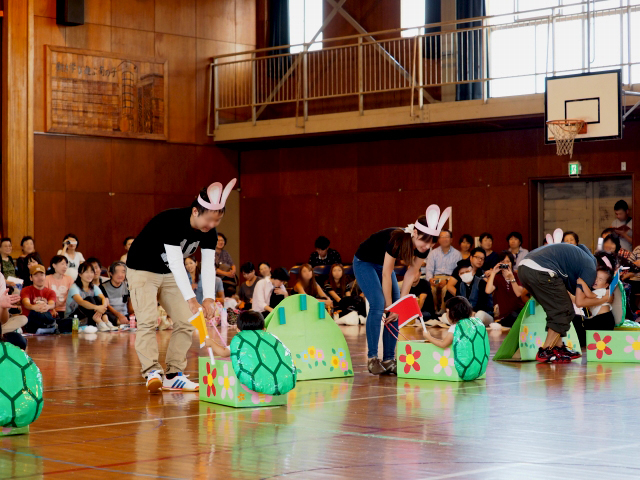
<point x="564" y="133"/>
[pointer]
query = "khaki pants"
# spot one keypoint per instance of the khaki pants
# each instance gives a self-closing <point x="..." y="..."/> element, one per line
<point x="438" y="301"/>
<point x="147" y="289"/>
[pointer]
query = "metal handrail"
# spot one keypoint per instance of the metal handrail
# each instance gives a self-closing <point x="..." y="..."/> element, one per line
<point x="255" y="79"/>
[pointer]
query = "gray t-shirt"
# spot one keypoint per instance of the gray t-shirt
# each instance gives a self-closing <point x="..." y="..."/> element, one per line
<point x="570" y="262"/>
<point x="118" y="296"/>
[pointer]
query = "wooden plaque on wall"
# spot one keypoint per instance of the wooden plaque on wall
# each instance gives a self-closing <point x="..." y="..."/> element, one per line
<point x="99" y="93"/>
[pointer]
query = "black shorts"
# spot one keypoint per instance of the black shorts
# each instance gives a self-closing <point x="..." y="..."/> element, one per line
<point x="551" y="293"/>
<point x="604" y="321"/>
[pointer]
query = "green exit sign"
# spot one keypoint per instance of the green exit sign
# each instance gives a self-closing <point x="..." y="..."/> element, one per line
<point x="574" y="169"/>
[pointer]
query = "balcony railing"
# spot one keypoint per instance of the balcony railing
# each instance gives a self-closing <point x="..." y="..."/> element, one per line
<point x="428" y="67"/>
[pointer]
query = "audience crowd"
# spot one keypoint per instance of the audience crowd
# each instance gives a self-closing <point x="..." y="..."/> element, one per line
<point x="69" y="289"/>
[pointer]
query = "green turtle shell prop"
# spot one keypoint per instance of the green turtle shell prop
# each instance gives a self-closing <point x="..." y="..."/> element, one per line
<point x="470" y="348"/>
<point x="20" y="388"/>
<point x="619" y="304"/>
<point x="262" y="362"/>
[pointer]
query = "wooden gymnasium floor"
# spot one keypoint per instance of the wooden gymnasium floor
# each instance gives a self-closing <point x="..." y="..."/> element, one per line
<point x="524" y="421"/>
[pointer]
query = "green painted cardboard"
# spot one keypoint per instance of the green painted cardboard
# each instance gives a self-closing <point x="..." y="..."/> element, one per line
<point x="219" y="384"/>
<point x="317" y="345"/>
<point x="424" y="361"/>
<point x="528" y="334"/>
<point x="6" y="431"/>
<point x="617" y="346"/>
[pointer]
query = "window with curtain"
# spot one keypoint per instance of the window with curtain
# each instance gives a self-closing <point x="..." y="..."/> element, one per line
<point x="523" y="50"/>
<point x="412" y="14"/>
<point x="305" y="19"/>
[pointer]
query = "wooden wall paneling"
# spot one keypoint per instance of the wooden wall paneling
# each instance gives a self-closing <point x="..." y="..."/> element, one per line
<point x="507" y="211"/>
<point x="378" y="167"/>
<point x="177" y="17"/>
<point x="261" y="237"/>
<point x="89" y="37"/>
<point x="88" y="164"/>
<point x="131" y="212"/>
<point x="162" y="202"/>
<point x="298" y="227"/>
<point x="378" y="210"/>
<point x="49" y="163"/>
<point x="45" y="8"/>
<point x="215" y="164"/>
<point x="246" y="22"/>
<point x="175" y="171"/>
<point x="47" y="32"/>
<point x="180" y="52"/>
<point x="337" y="168"/>
<point x="136" y="14"/>
<point x="97" y="11"/>
<point x="51" y="224"/>
<point x="205" y="50"/>
<point x="260" y="173"/>
<point x="424" y="157"/>
<point x="90" y="216"/>
<point x="216" y="20"/>
<point x="336" y="216"/>
<point x="132" y="42"/>
<point x="243" y="83"/>
<point x="133" y="166"/>
<point x="298" y="168"/>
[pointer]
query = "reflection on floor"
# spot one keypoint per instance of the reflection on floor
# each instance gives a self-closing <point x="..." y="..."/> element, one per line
<point x="523" y="421"/>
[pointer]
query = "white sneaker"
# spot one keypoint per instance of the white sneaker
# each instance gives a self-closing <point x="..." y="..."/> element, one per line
<point x="111" y="327"/>
<point x="102" y="327"/>
<point x="154" y="381"/>
<point x="180" y="383"/>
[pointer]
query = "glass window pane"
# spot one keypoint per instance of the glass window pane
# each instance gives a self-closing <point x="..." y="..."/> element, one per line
<point x="412" y="14"/>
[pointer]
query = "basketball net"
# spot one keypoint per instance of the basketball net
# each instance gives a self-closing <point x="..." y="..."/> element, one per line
<point x="564" y="133"/>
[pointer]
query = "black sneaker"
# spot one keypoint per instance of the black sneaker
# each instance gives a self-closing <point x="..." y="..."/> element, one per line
<point x="573" y="354"/>
<point x="391" y="367"/>
<point x="544" y="355"/>
<point x="548" y="355"/>
<point x="559" y="356"/>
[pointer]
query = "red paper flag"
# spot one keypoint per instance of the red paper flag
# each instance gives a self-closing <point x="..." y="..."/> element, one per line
<point x="407" y="309"/>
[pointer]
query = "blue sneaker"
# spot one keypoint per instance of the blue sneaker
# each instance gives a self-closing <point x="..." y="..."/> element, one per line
<point x="180" y="383"/>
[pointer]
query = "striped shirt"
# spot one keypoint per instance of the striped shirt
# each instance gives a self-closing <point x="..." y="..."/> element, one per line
<point x="440" y="263"/>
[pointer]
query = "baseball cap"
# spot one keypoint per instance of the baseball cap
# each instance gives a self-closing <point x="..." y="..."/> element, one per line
<point x="33" y="269"/>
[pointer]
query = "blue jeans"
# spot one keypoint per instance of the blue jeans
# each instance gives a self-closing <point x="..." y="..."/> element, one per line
<point x="369" y="277"/>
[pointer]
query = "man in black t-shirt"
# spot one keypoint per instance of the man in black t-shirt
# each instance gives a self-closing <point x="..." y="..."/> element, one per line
<point x="156" y="273"/>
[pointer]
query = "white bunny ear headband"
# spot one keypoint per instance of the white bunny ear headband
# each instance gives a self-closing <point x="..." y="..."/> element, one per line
<point x="217" y="196"/>
<point x="435" y="221"/>
<point x="558" y="235"/>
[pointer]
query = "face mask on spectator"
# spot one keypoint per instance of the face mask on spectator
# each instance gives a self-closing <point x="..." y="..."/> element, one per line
<point x="467" y="277"/>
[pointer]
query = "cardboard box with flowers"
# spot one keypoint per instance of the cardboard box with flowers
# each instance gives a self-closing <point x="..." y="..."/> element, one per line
<point x="614" y="346"/>
<point x="219" y="384"/>
<point x="528" y="334"/>
<point x="317" y="345"/>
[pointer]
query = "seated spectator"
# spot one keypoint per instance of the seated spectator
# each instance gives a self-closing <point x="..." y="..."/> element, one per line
<point x="469" y="282"/>
<point x="307" y="284"/>
<point x="612" y="245"/>
<point x="9" y="325"/>
<point x="323" y="254"/>
<point x="59" y="282"/>
<point x="69" y="250"/>
<point x="264" y="269"/>
<point x="504" y="285"/>
<point x="225" y="268"/>
<point x="32" y="259"/>
<point x="440" y="265"/>
<point x="336" y="288"/>
<point x="356" y="300"/>
<point x="269" y="292"/>
<point x="38" y="303"/>
<point x="86" y="301"/>
<point x="423" y="292"/>
<point x="606" y="232"/>
<point x="623" y="224"/>
<point x="117" y="291"/>
<point x="99" y="278"/>
<point x="514" y="239"/>
<point x="246" y="288"/>
<point x="571" y="238"/>
<point x="193" y="269"/>
<point x="466" y="244"/>
<point x="491" y="259"/>
<point x="8" y="267"/>
<point x="458" y="308"/>
<point x="22" y="264"/>
<point x="127" y="245"/>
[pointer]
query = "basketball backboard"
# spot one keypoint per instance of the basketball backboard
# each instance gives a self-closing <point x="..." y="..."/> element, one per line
<point x="594" y="97"/>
